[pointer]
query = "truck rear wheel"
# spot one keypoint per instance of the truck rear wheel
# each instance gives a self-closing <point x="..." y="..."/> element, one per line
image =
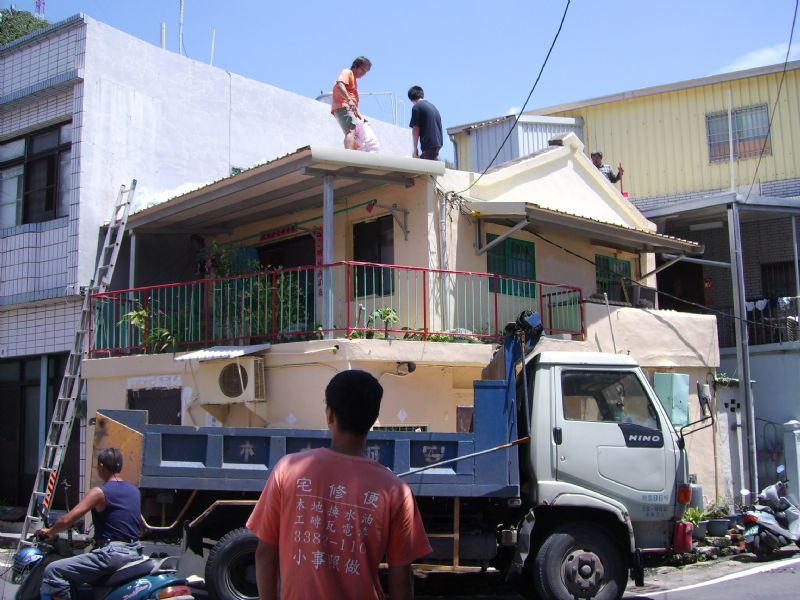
<point x="580" y="561"/>
<point x="231" y="567"/>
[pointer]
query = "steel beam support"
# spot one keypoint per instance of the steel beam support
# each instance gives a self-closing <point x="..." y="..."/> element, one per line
<point x="742" y="342"/>
<point x="499" y="239"/>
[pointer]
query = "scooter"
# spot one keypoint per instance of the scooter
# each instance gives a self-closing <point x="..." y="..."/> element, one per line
<point x="773" y="522"/>
<point x="144" y="579"/>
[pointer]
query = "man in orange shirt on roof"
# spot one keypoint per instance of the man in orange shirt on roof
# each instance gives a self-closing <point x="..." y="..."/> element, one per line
<point x="344" y="104"/>
<point x="328" y="517"/>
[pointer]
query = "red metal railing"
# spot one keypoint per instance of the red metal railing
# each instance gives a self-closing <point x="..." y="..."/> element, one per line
<point x="370" y="300"/>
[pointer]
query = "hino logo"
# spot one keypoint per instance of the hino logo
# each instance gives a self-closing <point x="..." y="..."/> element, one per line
<point x="644" y="438"/>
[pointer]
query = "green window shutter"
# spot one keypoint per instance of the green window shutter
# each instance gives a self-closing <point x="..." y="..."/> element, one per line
<point x="512" y="258"/>
<point x="610" y="275"/>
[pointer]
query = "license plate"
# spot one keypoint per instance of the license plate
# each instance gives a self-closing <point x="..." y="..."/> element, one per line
<point x="751" y="531"/>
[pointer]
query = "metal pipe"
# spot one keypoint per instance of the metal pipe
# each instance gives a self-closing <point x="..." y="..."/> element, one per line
<point x="730" y="141"/>
<point x="516" y="442"/>
<point x="163" y="35"/>
<point x="177" y="519"/>
<point x="697" y="261"/>
<point x="742" y="347"/>
<point x="794" y="254"/>
<point x="213" y="41"/>
<point x="327" y="256"/>
<point x="180" y="30"/>
<point x="610" y="326"/>
<point x="443" y="259"/>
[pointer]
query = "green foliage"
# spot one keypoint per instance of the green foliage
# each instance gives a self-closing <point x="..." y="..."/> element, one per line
<point x="17" y="23"/>
<point x="229" y="260"/>
<point x="386" y="314"/>
<point x="717" y="511"/>
<point x="155" y="339"/>
<point x="725" y="380"/>
<point x="694" y="515"/>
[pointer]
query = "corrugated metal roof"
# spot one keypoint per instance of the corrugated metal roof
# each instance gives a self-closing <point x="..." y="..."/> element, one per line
<point x="289" y="183"/>
<point x="633" y="238"/>
<point x="669" y="87"/>
<point x="223" y="352"/>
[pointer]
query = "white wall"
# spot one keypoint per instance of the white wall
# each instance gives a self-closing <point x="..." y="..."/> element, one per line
<point x="776" y="398"/>
<point x="174" y="123"/>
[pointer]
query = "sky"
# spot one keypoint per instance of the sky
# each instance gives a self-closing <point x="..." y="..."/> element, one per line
<point x="475" y="60"/>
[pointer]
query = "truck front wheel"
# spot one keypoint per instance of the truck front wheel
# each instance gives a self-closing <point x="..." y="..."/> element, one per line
<point x="580" y="561"/>
<point x="231" y="567"/>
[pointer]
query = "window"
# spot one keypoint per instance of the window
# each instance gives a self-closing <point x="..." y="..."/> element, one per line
<point x="512" y="258"/>
<point x="373" y="242"/>
<point x="612" y="275"/>
<point x="163" y="405"/>
<point x="606" y="396"/>
<point x="777" y="280"/>
<point x="35" y="176"/>
<point x="750" y="129"/>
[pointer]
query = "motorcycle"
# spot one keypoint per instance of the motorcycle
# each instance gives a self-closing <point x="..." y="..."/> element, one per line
<point x="146" y="579"/>
<point x="773" y="522"/>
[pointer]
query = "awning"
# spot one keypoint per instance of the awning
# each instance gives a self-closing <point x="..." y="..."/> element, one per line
<point x="223" y="352"/>
<point x="284" y="185"/>
<point x="536" y="219"/>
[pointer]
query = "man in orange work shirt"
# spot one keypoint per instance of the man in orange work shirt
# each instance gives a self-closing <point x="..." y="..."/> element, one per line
<point x="344" y="103"/>
<point x="328" y="517"/>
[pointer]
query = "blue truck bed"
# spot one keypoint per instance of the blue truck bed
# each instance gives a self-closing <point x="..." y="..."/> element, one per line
<point x="239" y="459"/>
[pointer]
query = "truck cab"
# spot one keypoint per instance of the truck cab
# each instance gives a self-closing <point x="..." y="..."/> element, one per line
<point x="602" y="473"/>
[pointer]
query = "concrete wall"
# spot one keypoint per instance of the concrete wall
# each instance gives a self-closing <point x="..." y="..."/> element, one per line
<point x="137" y="111"/>
<point x="776" y="400"/>
<point x="175" y="123"/>
<point x="687" y="344"/>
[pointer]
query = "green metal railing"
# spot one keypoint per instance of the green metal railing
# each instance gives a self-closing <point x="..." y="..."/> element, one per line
<point x="370" y="300"/>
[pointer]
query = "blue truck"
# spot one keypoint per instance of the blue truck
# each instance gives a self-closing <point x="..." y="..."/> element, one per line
<point x="569" y="476"/>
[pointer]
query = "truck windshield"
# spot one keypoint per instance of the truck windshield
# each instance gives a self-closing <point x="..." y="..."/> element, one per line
<point x="606" y="396"/>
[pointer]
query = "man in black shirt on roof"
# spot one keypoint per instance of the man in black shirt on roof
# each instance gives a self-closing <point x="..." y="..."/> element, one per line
<point x="426" y="125"/>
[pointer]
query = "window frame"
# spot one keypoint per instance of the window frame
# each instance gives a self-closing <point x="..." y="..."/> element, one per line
<point x="366" y="281"/>
<point x="503" y="254"/>
<point x="610" y="284"/>
<point x="49" y="193"/>
<point x="742" y="138"/>
<point x="606" y="412"/>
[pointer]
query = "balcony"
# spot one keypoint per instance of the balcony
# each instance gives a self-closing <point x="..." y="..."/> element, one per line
<point x="370" y="300"/>
<point x="774" y="323"/>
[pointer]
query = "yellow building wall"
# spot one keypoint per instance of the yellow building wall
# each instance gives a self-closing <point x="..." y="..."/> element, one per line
<point x="661" y="139"/>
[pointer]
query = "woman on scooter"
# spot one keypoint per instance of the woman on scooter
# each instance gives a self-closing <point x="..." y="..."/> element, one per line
<point x="115" y="506"/>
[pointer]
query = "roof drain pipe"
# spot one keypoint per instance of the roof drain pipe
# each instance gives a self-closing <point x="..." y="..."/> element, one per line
<point x="610" y="324"/>
<point x="443" y="257"/>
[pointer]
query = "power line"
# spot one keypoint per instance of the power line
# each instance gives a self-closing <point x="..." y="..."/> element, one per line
<point x="630" y="281"/>
<point x="775" y="106"/>
<point x="522" y="110"/>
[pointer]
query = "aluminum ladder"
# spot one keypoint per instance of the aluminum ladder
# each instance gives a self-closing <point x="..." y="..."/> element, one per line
<point x="60" y="429"/>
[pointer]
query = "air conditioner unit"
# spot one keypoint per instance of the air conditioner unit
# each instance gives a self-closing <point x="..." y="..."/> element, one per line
<point x="223" y="383"/>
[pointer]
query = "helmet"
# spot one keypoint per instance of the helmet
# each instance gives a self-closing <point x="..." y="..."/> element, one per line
<point x="24" y="561"/>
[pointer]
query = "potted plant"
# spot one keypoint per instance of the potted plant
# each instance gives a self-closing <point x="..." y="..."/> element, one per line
<point x="718" y="516"/>
<point x="696" y="517"/>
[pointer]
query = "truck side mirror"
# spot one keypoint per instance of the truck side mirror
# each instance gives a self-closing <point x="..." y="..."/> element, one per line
<point x="704" y="398"/>
<point x="706" y="413"/>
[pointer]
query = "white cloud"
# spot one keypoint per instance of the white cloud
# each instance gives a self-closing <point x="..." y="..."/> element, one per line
<point x="771" y="55"/>
<point x="513" y="110"/>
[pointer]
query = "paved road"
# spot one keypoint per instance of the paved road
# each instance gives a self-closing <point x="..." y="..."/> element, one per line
<point x="740" y="577"/>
